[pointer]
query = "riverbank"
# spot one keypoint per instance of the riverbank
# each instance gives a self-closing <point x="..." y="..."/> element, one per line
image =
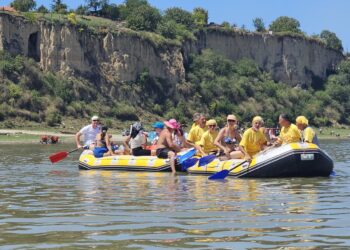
<point x="27" y="136"/>
<point x="21" y="136"/>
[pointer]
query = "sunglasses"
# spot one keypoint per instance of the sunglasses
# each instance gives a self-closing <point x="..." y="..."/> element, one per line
<point x="212" y="126"/>
<point x="95" y="120"/>
<point x="231" y="120"/>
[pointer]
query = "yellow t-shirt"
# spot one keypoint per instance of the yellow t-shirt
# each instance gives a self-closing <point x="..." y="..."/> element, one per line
<point x="308" y="134"/>
<point x="252" y="141"/>
<point x="195" y="134"/>
<point x="290" y="134"/>
<point x="207" y="141"/>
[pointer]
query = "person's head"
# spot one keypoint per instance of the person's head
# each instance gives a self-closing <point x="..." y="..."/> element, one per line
<point x="231" y="120"/>
<point x="136" y="128"/>
<point x="171" y="124"/>
<point x="196" y="117"/>
<point x="95" y="120"/>
<point x="257" y="122"/>
<point x="301" y="122"/>
<point x="202" y="121"/>
<point x="211" y="124"/>
<point x="158" y="127"/>
<point x="284" y="120"/>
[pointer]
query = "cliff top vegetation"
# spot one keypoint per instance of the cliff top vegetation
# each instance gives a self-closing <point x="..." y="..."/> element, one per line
<point x="173" y="26"/>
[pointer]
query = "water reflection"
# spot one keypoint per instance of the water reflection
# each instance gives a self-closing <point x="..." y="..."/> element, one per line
<point x="57" y="206"/>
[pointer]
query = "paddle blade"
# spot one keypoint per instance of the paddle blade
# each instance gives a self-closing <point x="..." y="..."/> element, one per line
<point x="58" y="156"/>
<point x="219" y="175"/>
<point x="206" y="160"/>
<point x="189" y="163"/>
<point x="191" y="152"/>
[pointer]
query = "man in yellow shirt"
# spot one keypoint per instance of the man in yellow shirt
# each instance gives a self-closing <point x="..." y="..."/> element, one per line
<point x="307" y="133"/>
<point x="253" y="139"/>
<point x="196" y="132"/>
<point x="289" y="132"/>
<point x="206" y="143"/>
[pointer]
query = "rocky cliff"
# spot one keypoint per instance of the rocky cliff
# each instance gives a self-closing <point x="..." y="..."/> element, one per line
<point x="122" y="57"/>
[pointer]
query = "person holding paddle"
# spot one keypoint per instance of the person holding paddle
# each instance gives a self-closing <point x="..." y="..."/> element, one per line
<point x="89" y="133"/>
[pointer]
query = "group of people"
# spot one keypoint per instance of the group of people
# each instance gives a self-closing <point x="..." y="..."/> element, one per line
<point x="227" y="143"/>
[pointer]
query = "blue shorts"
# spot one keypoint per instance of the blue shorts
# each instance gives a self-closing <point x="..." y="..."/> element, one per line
<point x="99" y="151"/>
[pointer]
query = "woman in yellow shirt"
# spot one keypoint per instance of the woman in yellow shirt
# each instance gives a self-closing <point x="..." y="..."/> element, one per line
<point x="289" y="132"/>
<point x="253" y="140"/>
<point x="307" y="133"/>
<point x="206" y="143"/>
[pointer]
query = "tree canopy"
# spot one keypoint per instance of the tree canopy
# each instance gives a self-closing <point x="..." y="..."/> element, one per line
<point x="23" y="5"/>
<point x="285" y="24"/>
<point x="331" y="40"/>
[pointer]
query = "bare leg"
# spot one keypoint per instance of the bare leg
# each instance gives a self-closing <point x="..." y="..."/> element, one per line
<point x="236" y="155"/>
<point x="171" y="156"/>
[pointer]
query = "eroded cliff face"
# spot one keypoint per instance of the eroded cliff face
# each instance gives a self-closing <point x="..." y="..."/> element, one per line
<point x="122" y="57"/>
<point x="119" y="57"/>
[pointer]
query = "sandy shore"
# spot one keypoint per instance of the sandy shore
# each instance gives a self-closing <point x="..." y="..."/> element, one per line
<point x="7" y="136"/>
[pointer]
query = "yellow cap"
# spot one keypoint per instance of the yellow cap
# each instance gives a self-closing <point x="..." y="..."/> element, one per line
<point x="211" y="122"/>
<point x="258" y="119"/>
<point x="302" y="120"/>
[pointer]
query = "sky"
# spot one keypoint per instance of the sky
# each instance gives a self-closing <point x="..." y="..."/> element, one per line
<point x="313" y="15"/>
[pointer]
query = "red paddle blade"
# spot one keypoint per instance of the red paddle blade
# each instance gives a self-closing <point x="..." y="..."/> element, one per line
<point x="58" y="156"/>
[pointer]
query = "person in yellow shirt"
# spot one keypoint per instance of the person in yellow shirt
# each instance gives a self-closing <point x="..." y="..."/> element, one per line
<point x="206" y="143"/>
<point x="196" y="117"/>
<point x="253" y="140"/>
<point x="196" y="132"/>
<point x="289" y="132"/>
<point x="307" y="133"/>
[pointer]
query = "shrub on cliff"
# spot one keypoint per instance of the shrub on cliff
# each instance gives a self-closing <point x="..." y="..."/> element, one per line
<point x="23" y="5"/>
<point x="259" y="24"/>
<point x="285" y="24"/>
<point x="180" y="16"/>
<point x="200" y="17"/>
<point x="144" y="17"/>
<point x="331" y="40"/>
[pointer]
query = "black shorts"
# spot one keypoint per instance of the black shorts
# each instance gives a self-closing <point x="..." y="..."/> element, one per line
<point x="163" y="153"/>
<point x="140" y="151"/>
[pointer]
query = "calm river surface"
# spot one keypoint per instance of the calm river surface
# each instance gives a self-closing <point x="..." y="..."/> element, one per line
<point x="57" y="206"/>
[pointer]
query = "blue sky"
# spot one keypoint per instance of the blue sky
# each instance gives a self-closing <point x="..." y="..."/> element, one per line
<point x="313" y="15"/>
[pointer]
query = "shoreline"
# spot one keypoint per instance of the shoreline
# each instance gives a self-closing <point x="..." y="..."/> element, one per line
<point x="25" y="136"/>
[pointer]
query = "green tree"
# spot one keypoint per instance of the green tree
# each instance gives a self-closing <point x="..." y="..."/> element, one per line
<point x="59" y="7"/>
<point x="180" y="16"/>
<point x="110" y="11"/>
<point x="129" y="6"/>
<point x="96" y="4"/>
<point x="42" y="9"/>
<point x="81" y="10"/>
<point x="200" y="17"/>
<point x="285" y="24"/>
<point x="259" y="24"/>
<point x="331" y="40"/>
<point x="23" y="5"/>
<point x="144" y="17"/>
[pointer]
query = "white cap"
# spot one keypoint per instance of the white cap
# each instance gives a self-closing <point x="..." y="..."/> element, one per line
<point x="95" y="117"/>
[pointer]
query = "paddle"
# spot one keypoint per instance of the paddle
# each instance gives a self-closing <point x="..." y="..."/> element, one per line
<point x="181" y="158"/>
<point x="202" y="161"/>
<point x="223" y="173"/>
<point x="63" y="154"/>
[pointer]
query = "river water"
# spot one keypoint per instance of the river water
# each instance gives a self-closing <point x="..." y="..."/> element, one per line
<point x="45" y="206"/>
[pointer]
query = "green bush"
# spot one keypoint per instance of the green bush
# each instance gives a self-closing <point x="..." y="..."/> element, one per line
<point x="144" y="17"/>
<point x="285" y="24"/>
<point x="125" y="112"/>
<point x="53" y="118"/>
<point x="331" y="40"/>
<point x="23" y="5"/>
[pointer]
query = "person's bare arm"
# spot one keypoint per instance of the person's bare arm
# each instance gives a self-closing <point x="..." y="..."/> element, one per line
<point x="171" y="144"/>
<point x="217" y="141"/>
<point x="77" y="139"/>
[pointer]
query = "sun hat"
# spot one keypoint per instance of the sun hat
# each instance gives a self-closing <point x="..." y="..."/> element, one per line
<point x="302" y="120"/>
<point x="211" y="122"/>
<point x="172" y="123"/>
<point x="258" y="119"/>
<point x="158" y="125"/>
<point x="95" y="117"/>
<point x="231" y="117"/>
